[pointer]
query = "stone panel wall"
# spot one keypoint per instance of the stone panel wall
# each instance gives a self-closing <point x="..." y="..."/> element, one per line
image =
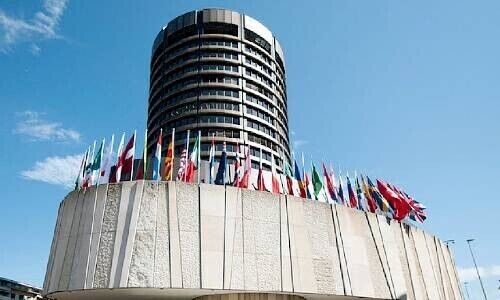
<point x="162" y="235"/>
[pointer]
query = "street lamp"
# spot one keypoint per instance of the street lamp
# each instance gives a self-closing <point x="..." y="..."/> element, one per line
<point x="477" y="270"/>
<point x="447" y="242"/>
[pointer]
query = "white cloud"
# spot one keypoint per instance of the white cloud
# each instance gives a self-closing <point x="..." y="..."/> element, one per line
<point x="469" y="274"/>
<point x="37" y="129"/>
<point x="299" y="143"/>
<point x="42" y="26"/>
<point x="57" y="170"/>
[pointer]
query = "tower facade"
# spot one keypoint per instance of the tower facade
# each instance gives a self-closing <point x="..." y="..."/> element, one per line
<point x="223" y="73"/>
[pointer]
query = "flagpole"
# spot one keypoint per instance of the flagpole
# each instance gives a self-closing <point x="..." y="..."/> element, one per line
<point x="133" y="157"/>
<point x="171" y="175"/>
<point x="187" y="154"/>
<point x="100" y="163"/>
<point x="199" y="156"/>
<point x="108" y="157"/>
<point x="145" y="154"/>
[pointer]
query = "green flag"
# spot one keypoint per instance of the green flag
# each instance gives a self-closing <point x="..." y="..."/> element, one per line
<point x="316" y="182"/>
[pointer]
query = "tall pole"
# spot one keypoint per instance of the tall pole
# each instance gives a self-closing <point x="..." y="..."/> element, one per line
<point x="477" y="270"/>
<point x="467" y="289"/>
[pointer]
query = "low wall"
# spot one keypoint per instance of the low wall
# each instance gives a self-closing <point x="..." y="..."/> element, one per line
<point x="177" y="240"/>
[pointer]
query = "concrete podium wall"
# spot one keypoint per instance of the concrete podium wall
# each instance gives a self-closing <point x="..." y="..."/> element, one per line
<point x="172" y="236"/>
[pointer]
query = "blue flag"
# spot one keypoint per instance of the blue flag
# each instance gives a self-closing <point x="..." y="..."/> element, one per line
<point x="220" y="178"/>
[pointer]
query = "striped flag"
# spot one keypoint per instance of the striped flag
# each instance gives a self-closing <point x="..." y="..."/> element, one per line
<point x="157" y="157"/>
<point x="169" y="159"/>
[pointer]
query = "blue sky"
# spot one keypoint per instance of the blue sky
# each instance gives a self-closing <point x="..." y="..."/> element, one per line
<point x="406" y="91"/>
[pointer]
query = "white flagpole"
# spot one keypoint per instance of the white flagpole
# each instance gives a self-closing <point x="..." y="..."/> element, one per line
<point x="171" y="175"/>
<point x="187" y="154"/>
<point x="133" y="157"/>
<point x="198" y="163"/>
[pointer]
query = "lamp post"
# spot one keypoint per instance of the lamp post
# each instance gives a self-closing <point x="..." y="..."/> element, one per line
<point x="477" y="270"/>
<point x="448" y="242"/>
<point x="467" y="289"/>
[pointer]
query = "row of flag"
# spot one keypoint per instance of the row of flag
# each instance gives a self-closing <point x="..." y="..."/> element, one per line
<point x="359" y="192"/>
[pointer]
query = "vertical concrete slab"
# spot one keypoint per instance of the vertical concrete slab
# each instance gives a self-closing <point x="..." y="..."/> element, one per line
<point x="445" y="278"/>
<point x="286" y="262"/>
<point x="162" y="247"/>
<point x="381" y="251"/>
<point x="262" y="254"/>
<point x="425" y="263"/>
<point x="55" y="239"/>
<point x="142" y="238"/>
<point x="79" y="267"/>
<point x="454" y="276"/>
<point x="68" y="211"/>
<point x="365" y="268"/>
<point x="233" y="254"/>
<point x="212" y="217"/>
<point x="174" y="234"/>
<point x="107" y="238"/>
<point x="413" y="263"/>
<point x="431" y="249"/>
<point x="450" y="269"/>
<point x="326" y="263"/>
<point x="95" y="232"/>
<point x="189" y="234"/>
<point x="398" y="236"/>
<point x="300" y="248"/>
<point x="393" y="257"/>
<point x="73" y="235"/>
<point x="341" y="252"/>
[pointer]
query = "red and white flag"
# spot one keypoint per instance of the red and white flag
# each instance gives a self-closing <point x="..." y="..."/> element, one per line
<point x="247" y="170"/>
<point x="126" y="160"/>
<point x="238" y="168"/>
<point x="182" y="166"/>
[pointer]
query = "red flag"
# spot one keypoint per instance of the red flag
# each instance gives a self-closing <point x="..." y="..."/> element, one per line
<point x="238" y="168"/>
<point x="126" y="159"/>
<point x="400" y="210"/>
<point x="352" y="198"/>
<point x="247" y="170"/>
<point x="261" y="186"/>
<point x="329" y="184"/>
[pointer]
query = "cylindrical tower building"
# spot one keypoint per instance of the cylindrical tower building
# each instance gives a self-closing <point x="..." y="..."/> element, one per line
<point x="223" y="73"/>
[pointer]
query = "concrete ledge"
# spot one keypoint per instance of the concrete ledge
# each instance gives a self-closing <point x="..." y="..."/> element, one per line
<point x="174" y="240"/>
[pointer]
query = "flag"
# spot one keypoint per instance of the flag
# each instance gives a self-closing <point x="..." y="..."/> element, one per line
<point x="359" y="194"/>
<point x="238" y="168"/>
<point x="299" y="180"/>
<point x="220" y="178"/>
<point x="87" y="173"/>
<point x="317" y="183"/>
<point x="261" y="184"/>
<point x="287" y="170"/>
<point x="193" y="162"/>
<point x="79" y="176"/>
<point x="353" y="202"/>
<point x="126" y="160"/>
<point x="341" y="190"/>
<point x="274" y="180"/>
<point x="400" y="209"/>
<point x="117" y="176"/>
<point x="182" y="166"/>
<point x="330" y="185"/>
<point x="181" y="174"/>
<point x="308" y="186"/>
<point x="169" y="159"/>
<point x="106" y="163"/>
<point x="406" y="203"/>
<point x="211" y="162"/>
<point x="247" y="170"/>
<point x="96" y="165"/>
<point x="372" y="205"/>
<point x="157" y="158"/>
<point x="382" y="203"/>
